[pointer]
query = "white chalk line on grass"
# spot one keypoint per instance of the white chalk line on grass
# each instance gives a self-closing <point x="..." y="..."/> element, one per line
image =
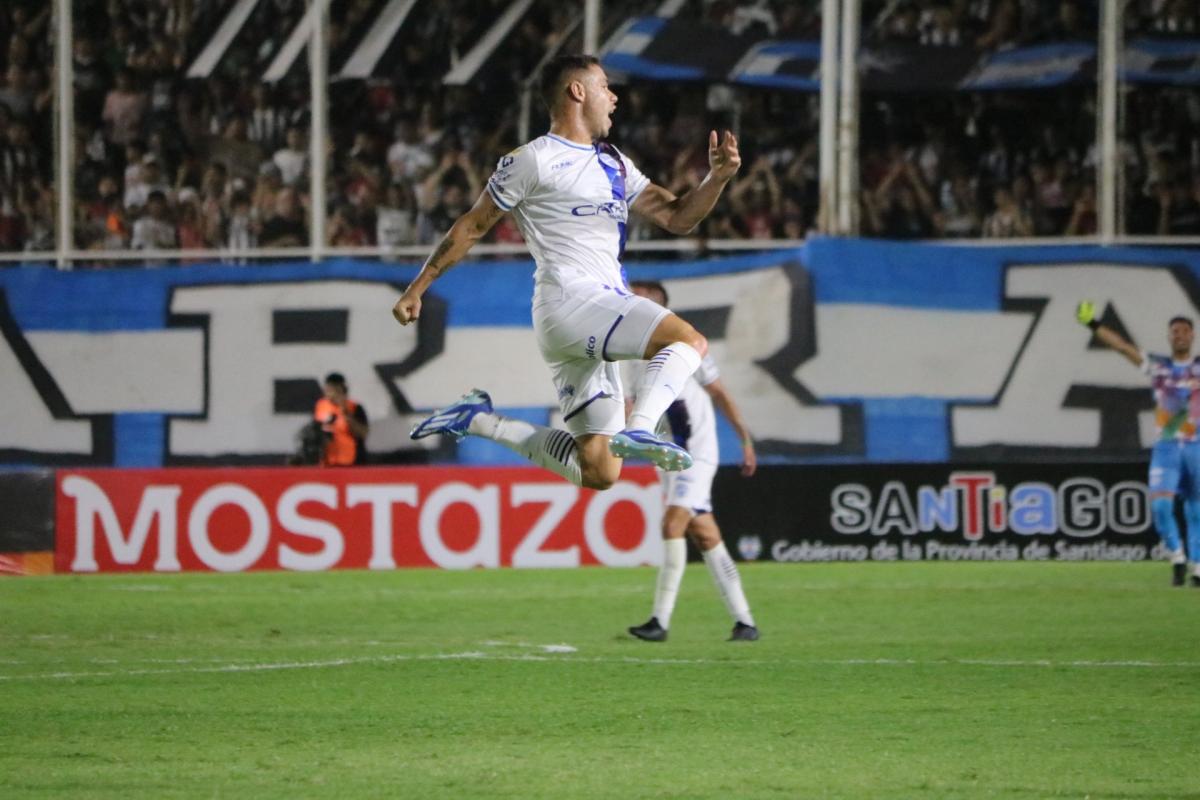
<point x="472" y="655"/>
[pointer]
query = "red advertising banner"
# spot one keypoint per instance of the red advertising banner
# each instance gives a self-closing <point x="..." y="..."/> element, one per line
<point x="233" y="520"/>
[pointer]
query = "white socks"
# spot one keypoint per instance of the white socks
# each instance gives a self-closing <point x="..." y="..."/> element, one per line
<point x="551" y="448"/>
<point x="661" y="383"/>
<point x="725" y="574"/>
<point x="723" y="570"/>
<point x="670" y="575"/>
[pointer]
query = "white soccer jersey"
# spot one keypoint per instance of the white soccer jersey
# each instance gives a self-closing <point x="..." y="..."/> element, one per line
<point x="571" y="203"/>
<point x="691" y="421"/>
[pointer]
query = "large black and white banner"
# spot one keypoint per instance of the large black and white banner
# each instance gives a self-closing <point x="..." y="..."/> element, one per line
<point x="841" y="351"/>
<point x="655" y="48"/>
<point x="908" y="512"/>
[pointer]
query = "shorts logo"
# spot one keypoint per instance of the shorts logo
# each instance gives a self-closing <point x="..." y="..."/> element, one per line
<point x="566" y="391"/>
<point x="590" y="351"/>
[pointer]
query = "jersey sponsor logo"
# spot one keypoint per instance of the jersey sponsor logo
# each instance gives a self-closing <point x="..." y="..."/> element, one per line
<point x="614" y="209"/>
<point x="562" y="165"/>
<point x="590" y="351"/>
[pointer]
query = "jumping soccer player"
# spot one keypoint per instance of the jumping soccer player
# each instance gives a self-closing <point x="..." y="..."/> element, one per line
<point x="1175" y="460"/>
<point x="570" y="193"/>
<point x="687" y="496"/>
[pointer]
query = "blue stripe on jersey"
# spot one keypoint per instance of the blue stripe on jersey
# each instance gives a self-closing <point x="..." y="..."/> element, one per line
<point x="496" y="197"/>
<point x="616" y="178"/>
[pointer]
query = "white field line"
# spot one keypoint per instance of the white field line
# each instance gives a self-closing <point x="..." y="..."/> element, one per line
<point x="481" y="656"/>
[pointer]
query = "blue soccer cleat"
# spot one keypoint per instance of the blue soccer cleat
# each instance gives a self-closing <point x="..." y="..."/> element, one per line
<point x="662" y="453"/>
<point x="453" y="419"/>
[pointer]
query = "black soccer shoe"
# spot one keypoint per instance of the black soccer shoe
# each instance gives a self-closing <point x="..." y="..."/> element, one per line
<point x="1196" y="581"/>
<point x="650" y="631"/>
<point x="743" y="633"/>
<point x="1178" y="574"/>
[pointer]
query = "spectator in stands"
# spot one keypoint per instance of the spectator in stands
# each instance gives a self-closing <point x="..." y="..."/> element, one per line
<point x="16" y="92"/>
<point x="901" y="207"/>
<point x="346" y="229"/>
<point x="1176" y="17"/>
<point x="242" y="228"/>
<point x="266" y="189"/>
<point x="190" y="230"/>
<point x="447" y="194"/>
<point x="234" y="148"/>
<point x="1179" y="211"/>
<point x="1007" y="219"/>
<point x="409" y="159"/>
<point x="757" y="199"/>
<point x="150" y="180"/>
<point x="124" y="110"/>
<point x="154" y="229"/>
<point x="958" y="214"/>
<point x="268" y="123"/>
<point x="102" y="224"/>
<point x="129" y="58"/>
<point x="1083" y="213"/>
<point x="285" y="227"/>
<point x="395" y="220"/>
<point x="292" y="158"/>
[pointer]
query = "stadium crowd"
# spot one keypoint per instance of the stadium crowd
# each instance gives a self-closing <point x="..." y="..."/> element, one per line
<point x="222" y="161"/>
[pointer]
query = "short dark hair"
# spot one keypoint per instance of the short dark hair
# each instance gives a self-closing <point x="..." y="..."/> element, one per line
<point x="336" y="378"/>
<point x="1185" y="320"/>
<point x="653" y="286"/>
<point x="555" y="73"/>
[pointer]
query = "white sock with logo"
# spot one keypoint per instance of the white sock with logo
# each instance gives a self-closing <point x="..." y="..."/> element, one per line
<point x="551" y="448"/>
<point x="729" y="583"/>
<point x="661" y="383"/>
<point x="670" y="575"/>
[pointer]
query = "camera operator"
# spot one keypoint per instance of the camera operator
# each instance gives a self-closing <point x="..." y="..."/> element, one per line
<point x="344" y="423"/>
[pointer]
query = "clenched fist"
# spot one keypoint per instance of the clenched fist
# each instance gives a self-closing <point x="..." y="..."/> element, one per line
<point x="407" y="308"/>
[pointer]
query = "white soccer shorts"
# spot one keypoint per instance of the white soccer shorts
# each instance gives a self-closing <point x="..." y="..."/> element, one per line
<point x="691" y="488"/>
<point x="582" y="330"/>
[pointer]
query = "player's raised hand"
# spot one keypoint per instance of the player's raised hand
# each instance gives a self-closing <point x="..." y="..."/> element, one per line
<point x="723" y="157"/>
<point x="407" y="308"/>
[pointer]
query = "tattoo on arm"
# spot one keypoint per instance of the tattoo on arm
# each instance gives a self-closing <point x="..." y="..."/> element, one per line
<point x="434" y="263"/>
<point x="492" y="216"/>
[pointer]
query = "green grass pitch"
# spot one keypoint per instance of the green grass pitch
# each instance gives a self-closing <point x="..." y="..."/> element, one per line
<point x="871" y="681"/>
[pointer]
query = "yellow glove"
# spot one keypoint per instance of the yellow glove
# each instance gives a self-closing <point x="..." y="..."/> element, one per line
<point x="1085" y="312"/>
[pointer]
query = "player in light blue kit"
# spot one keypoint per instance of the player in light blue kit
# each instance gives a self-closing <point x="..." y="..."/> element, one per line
<point x="1175" y="461"/>
<point x="570" y="193"/>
